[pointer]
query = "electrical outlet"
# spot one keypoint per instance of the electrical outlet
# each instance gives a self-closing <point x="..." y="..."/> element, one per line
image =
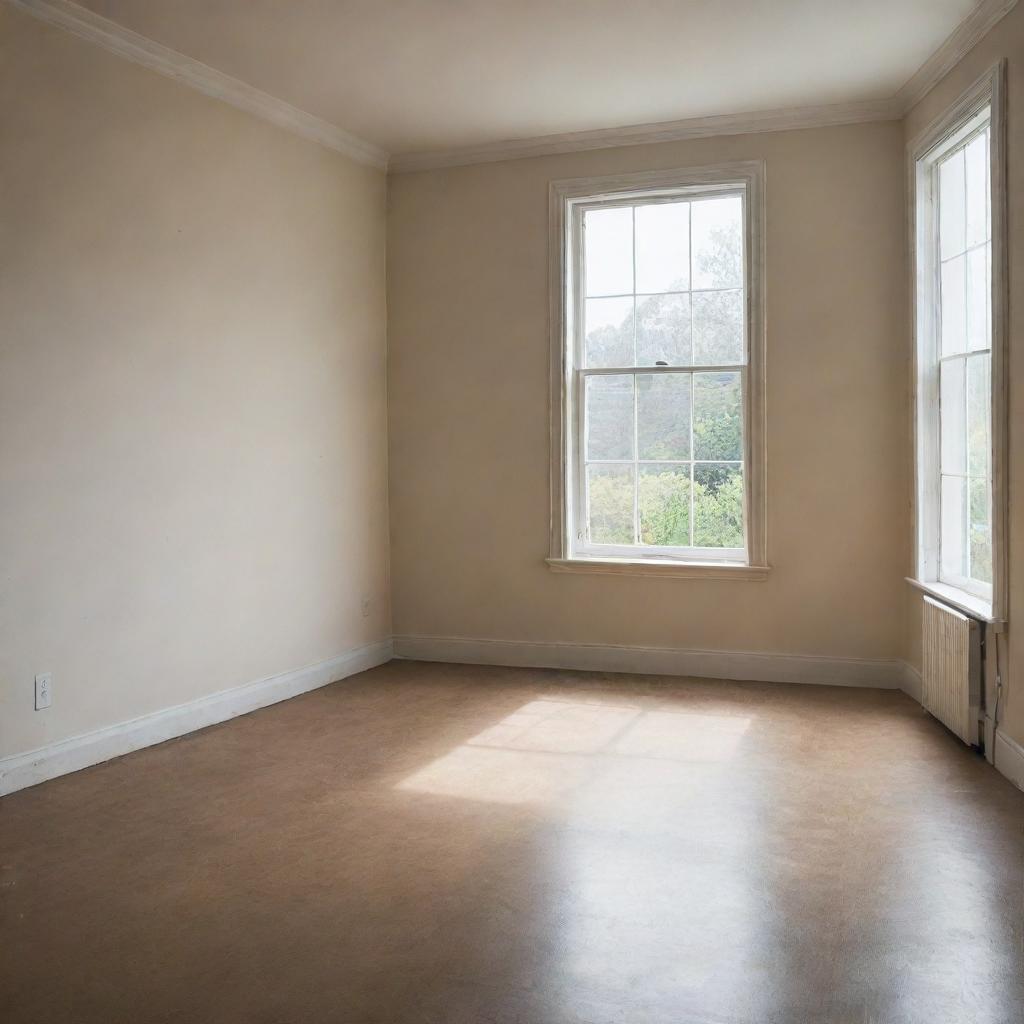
<point x="366" y="606"/>
<point x="44" y="690"/>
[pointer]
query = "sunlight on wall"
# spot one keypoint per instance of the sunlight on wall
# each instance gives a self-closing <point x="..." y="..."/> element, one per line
<point x="548" y="747"/>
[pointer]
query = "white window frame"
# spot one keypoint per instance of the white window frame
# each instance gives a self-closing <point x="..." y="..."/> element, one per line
<point x="568" y="198"/>
<point x="988" y="91"/>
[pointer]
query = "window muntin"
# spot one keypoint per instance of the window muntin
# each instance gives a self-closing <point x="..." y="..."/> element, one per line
<point x="962" y="355"/>
<point x="660" y="375"/>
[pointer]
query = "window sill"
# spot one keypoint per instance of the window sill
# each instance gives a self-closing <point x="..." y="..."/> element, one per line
<point x="665" y="568"/>
<point x="975" y="607"/>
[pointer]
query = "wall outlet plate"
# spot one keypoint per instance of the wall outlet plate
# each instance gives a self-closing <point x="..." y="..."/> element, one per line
<point x="44" y="690"/>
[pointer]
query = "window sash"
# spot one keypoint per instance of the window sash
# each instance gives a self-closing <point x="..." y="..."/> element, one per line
<point x="586" y="546"/>
<point x="968" y="583"/>
<point x="943" y="418"/>
<point x="580" y="544"/>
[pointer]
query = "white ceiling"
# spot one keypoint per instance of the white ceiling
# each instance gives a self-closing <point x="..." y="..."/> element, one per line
<point x="420" y="75"/>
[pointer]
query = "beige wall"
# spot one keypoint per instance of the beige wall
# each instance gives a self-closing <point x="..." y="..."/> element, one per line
<point x="193" y="488"/>
<point x="1005" y="40"/>
<point x="468" y="380"/>
<point x="192" y="393"/>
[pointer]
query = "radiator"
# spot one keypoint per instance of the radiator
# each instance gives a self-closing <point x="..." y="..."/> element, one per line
<point x="951" y="669"/>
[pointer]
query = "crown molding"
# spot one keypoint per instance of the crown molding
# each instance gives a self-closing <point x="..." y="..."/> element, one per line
<point x="208" y="80"/>
<point x="958" y="44"/>
<point x="645" y="134"/>
<point x="165" y="61"/>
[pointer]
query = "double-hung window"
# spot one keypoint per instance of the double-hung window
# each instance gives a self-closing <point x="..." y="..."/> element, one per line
<point x="958" y="293"/>
<point x="658" y="370"/>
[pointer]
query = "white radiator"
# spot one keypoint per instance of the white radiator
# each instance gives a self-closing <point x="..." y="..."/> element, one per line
<point x="951" y="669"/>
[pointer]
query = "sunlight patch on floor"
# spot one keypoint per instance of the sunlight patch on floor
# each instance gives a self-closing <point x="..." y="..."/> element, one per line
<point x="548" y="747"/>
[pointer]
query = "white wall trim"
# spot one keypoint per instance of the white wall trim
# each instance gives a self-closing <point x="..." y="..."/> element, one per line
<point x="71" y="755"/>
<point x="1009" y="759"/>
<point x="28" y="769"/>
<point x="911" y="682"/>
<point x="757" y="667"/>
<point x="1004" y="753"/>
<point x="165" y="61"/>
<point x="963" y="38"/>
<point x="784" y="119"/>
<point x="958" y="44"/>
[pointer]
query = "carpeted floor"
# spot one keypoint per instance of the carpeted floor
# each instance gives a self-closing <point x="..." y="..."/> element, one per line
<point x="437" y="843"/>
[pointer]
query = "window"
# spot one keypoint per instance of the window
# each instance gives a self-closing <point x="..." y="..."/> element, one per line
<point x="658" y="370"/>
<point x="964" y="360"/>
<point x="959" y="282"/>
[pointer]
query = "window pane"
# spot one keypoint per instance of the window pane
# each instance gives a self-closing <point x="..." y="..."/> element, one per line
<point x="608" y="251"/>
<point x="610" y="504"/>
<point x="952" y="206"/>
<point x="954" y="306"/>
<point x="663" y="416"/>
<point x="953" y="416"/>
<point x="980" y="501"/>
<point x="664" y="501"/>
<point x="609" y="413"/>
<point x="978" y="334"/>
<point x="663" y="247"/>
<point x="976" y="159"/>
<point x="717" y="506"/>
<point x="609" y="332"/>
<point x="717" y="243"/>
<point x="717" y="416"/>
<point x="663" y="330"/>
<point x="954" y="523"/>
<point x="718" y="327"/>
<point x="981" y="531"/>
<point x="979" y="398"/>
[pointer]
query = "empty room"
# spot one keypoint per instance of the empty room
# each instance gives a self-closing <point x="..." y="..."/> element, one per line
<point x="511" y="512"/>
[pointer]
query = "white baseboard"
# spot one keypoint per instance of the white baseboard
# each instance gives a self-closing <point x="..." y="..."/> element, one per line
<point x="911" y="683"/>
<point x="71" y="755"/>
<point x="1004" y="753"/>
<point x="1009" y="759"/>
<point x="79" y="752"/>
<point x="770" y="668"/>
